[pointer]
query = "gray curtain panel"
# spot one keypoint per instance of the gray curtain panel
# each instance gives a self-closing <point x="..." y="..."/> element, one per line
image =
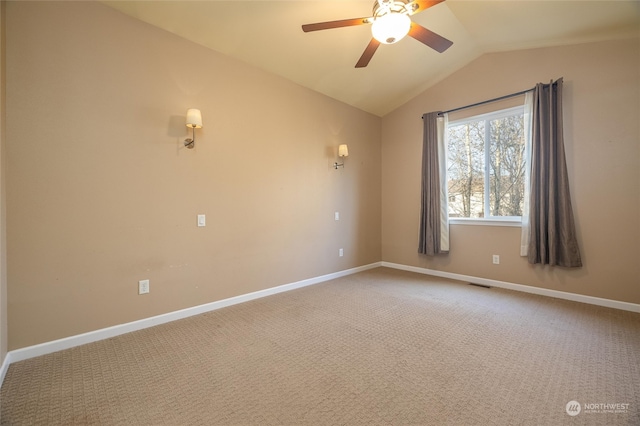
<point x="429" y="240"/>
<point x="552" y="238"/>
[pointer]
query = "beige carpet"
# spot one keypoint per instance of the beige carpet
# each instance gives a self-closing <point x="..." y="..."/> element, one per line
<point x="382" y="347"/>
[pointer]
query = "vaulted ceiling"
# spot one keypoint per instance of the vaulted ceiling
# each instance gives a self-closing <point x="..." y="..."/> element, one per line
<point x="268" y="35"/>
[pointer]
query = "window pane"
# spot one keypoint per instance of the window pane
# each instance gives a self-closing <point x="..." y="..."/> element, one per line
<point x="466" y="167"/>
<point x="485" y="165"/>
<point x="506" y="168"/>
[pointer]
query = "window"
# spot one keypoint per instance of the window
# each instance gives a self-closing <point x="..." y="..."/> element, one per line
<point x="486" y="166"/>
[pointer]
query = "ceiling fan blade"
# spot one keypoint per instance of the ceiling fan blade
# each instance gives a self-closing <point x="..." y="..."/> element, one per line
<point x="431" y="39"/>
<point x="335" y="24"/>
<point x="368" y="53"/>
<point x="419" y="6"/>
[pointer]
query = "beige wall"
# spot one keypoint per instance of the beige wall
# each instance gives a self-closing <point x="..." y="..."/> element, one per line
<point x="3" y="239"/>
<point x="101" y="192"/>
<point x="602" y="140"/>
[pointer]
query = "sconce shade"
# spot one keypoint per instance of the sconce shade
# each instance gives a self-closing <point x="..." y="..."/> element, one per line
<point x="343" y="150"/>
<point x="194" y="118"/>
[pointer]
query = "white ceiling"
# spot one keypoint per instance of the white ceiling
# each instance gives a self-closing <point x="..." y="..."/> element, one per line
<point x="268" y="35"/>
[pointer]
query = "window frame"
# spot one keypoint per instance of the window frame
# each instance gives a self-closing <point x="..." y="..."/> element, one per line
<point x="509" y="221"/>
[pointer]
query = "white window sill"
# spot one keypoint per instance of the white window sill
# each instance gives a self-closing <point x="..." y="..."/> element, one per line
<point x="513" y="222"/>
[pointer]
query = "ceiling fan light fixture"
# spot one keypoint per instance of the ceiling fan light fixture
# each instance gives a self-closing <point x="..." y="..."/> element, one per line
<point x="391" y="27"/>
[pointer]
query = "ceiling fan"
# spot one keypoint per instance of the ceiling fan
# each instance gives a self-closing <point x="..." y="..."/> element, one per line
<point x="390" y="22"/>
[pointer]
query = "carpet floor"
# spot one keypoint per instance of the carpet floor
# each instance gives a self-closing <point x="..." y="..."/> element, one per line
<point x="381" y="347"/>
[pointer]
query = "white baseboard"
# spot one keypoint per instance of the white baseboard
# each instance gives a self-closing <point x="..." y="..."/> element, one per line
<point x="616" y="304"/>
<point x="5" y="367"/>
<point x="105" y="333"/>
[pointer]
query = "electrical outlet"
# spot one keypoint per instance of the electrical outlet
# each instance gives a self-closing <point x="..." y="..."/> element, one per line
<point x="496" y="259"/>
<point x="143" y="286"/>
<point x="340" y="252"/>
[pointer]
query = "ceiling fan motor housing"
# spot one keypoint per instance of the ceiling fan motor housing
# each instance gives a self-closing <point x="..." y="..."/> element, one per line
<point x="382" y="7"/>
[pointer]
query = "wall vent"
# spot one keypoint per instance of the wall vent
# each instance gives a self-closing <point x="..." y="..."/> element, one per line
<point x="480" y="285"/>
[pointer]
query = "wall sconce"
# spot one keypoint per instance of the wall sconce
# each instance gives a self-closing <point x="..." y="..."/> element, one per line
<point x="194" y="120"/>
<point x="343" y="151"/>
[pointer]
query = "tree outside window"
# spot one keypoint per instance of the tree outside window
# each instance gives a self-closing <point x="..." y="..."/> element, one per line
<point x="486" y="165"/>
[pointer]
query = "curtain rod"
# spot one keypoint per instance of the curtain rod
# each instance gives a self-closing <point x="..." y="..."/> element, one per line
<point x="512" y="95"/>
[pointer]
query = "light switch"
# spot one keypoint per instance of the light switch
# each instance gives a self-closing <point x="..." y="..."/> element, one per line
<point x="201" y="220"/>
<point x="143" y="286"/>
<point x="337" y="215"/>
